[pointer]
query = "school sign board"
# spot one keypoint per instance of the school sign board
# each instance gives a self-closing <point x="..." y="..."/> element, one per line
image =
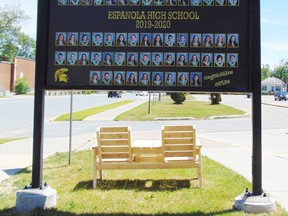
<point x="152" y="45"/>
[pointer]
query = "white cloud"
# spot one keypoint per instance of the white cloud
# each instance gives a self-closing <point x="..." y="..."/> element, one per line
<point x="272" y="52"/>
<point x="275" y="46"/>
<point x="272" y="22"/>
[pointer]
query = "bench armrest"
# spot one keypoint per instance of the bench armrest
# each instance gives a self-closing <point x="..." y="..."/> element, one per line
<point x="95" y="150"/>
<point x="198" y="144"/>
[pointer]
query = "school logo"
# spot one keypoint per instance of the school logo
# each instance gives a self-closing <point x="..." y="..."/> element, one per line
<point x="61" y="76"/>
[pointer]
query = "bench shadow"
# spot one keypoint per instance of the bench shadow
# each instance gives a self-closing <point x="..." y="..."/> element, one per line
<point x="139" y="185"/>
<point x="53" y="212"/>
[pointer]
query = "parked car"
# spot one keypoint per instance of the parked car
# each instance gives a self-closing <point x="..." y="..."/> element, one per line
<point x="117" y="94"/>
<point x="142" y="93"/>
<point x="281" y="95"/>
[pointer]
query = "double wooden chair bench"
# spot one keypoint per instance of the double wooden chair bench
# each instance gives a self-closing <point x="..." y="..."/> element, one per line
<point x="179" y="148"/>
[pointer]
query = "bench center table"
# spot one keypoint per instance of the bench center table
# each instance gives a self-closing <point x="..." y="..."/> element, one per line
<point x="147" y="151"/>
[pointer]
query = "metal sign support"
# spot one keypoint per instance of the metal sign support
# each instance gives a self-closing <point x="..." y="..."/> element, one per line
<point x="256" y="103"/>
<point x="39" y="101"/>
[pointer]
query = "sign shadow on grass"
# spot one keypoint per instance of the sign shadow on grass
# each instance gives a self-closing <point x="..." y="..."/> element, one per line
<point x="139" y="185"/>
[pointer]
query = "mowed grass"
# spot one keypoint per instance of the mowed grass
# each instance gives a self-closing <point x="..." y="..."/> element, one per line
<point x="168" y="109"/>
<point x="5" y="140"/>
<point x="80" y="115"/>
<point x="134" y="192"/>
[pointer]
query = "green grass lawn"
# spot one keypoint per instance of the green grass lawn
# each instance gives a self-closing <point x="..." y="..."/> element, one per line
<point x="134" y="192"/>
<point x="167" y="108"/>
<point x="80" y="115"/>
<point x="5" y="140"/>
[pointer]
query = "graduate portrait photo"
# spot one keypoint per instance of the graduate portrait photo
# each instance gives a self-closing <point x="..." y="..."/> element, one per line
<point x="97" y="39"/>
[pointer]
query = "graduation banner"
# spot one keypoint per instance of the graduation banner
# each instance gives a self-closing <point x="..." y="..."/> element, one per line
<point x="151" y="45"/>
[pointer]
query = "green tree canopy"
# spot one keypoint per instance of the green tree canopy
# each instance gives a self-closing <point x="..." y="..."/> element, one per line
<point x="12" y="41"/>
<point x="281" y="71"/>
<point x="26" y="46"/>
<point x="265" y="72"/>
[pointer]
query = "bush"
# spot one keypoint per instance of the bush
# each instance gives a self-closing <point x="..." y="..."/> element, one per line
<point x="21" y="86"/>
<point x="178" y="98"/>
<point x="87" y="92"/>
<point x="215" y="98"/>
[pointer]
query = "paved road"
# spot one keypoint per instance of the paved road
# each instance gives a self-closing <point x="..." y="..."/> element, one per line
<point x="16" y="113"/>
<point x="228" y="141"/>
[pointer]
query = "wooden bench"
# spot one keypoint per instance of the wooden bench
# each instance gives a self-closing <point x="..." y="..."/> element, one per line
<point x="178" y="149"/>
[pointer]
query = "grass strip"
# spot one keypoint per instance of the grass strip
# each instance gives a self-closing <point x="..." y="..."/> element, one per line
<point x="80" y="115"/>
<point x="131" y="192"/>
<point x="167" y="108"/>
<point x="5" y="140"/>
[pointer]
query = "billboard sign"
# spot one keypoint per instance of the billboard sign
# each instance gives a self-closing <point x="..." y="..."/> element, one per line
<point x="163" y="45"/>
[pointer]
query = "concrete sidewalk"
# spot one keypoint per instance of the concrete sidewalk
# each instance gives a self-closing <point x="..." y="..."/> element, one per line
<point x="17" y="155"/>
<point x="109" y="115"/>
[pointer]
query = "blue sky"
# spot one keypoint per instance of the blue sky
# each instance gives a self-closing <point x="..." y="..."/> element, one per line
<point x="274" y="27"/>
<point x="274" y="31"/>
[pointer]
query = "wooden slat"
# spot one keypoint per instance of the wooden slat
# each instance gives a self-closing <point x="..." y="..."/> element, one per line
<point x="179" y="154"/>
<point x="174" y="134"/>
<point x="114" y="129"/>
<point x="115" y="155"/>
<point x="178" y="141"/>
<point x="115" y="160"/>
<point x="179" y="128"/>
<point x="146" y="151"/>
<point x="148" y="159"/>
<point x="114" y="149"/>
<point x="114" y="135"/>
<point x="99" y="145"/>
<point x="114" y="142"/>
<point x="129" y="145"/>
<point x="178" y="147"/>
<point x="151" y="165"/>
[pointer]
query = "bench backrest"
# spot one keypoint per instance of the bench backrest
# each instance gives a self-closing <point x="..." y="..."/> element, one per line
<point x="179" y="142"/>
<point x="114" y="144"/>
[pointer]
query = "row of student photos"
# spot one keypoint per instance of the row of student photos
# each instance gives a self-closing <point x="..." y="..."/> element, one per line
<point x="149" y="2"/>
<point x="144" y="78"/>
<point x="109" y="39"/>
<point x="147" y="59"/>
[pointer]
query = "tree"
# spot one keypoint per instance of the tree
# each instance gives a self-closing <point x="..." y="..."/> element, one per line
<point x="215" y="98"/>
<point x="265" y="72"/>
<point x="9" y="50"/>
<point x="26" y="46"/>
<point x="281" y="71"/>
<point x="178" y="97"/>
<point x="11" y="39"/>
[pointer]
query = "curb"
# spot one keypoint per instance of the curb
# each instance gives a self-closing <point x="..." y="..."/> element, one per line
<point x="276" y="105"/>
<point x="209" y="118"/>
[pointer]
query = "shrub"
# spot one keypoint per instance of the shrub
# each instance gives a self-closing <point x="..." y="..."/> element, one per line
<point x="215" y="98"/>
<point x="178" y="97"/>
<point x="21" y="86"/>
<point x="87" y="92"/>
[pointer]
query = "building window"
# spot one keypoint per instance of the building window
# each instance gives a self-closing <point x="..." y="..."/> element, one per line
<point x="264" y="88"/>
<point x="278" y="88"/>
